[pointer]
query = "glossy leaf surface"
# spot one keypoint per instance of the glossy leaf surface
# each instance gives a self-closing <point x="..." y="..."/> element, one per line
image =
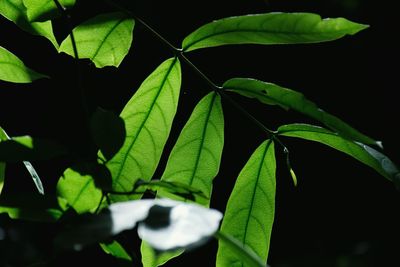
<point x="272" y="94"/>
<point x="270" y="28"/>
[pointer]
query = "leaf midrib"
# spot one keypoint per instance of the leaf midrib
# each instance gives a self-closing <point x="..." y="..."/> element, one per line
<point x="254" y="191"/>
<point x="126" y="155"/>
<point x="344" y="32"/>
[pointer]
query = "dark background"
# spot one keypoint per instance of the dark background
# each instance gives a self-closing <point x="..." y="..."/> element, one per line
<point x="341" y="214"/>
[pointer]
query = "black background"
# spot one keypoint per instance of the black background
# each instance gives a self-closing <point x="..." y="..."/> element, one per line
<point x="341" y="214"/>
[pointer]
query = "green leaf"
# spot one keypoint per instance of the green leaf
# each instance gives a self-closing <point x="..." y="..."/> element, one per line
<point x="148" y="119"/>
<point x="246" y="255"/>
<point x="104" y="39"/>
<point x="15" y="11"/>
<point x="23" y="148"/>
<point x="270" y="28"/>
<point x="32" y="207"/>
<point x="42" y="10"/>
<point x="79" y="190"/>
<point x="12" y="69"/>
<point x="196" y="156"/>
<point x="272" y="94"/>
<point x="150" y="258"/>
<point x="365" y="154"/>
<point x="3" y="137"/>
<point x="115" y="249"/>
<point x="108" y="132"/>
<point x="249" y="214"/>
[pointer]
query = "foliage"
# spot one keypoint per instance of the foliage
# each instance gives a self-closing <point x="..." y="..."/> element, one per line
<point x="126" y="149"/>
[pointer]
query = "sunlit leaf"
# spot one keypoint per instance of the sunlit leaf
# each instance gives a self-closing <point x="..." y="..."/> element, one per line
<point x="196" y="156"/>
<point x="150" y="258"/>
<point x="249" y="214"/>
<point x="365" y="154"/>
<point x="42" y="10"/>
<point x="79" y="191"/>
<point x="104" y="39"/>
<point x="115" y="249"/>
<point x="30" y="206"/>
<point x="108" y="132"/>
<point x="270" y="28"/>
<point x="12" y="69"/>
<point x="246" y="255"/>
<point x="272" y="94"/>
<point x="15" y="11"/>
<point x="23" y="148"/>
<point x="148" y="119"/>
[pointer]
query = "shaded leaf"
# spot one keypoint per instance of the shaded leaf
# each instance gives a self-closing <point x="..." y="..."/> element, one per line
<point x="196" y="156"/>
<point x="3" y="137"/>
<point x="148" y="119"/>
<point x="250" y="210"/>
<point x="246" y="255"/>
<point x="32" y="207"/>
<point x="79" y="191"/>
<point x="104" y="39"/>
<point x="270" y="28"/>
<point x="359" y="151"/>
<point x="12" y="69"/>
<point x="108" y="132"/>
<point x="42" y="10"/>
<point x="15" y="11"/>
<point x="24" y="148"/>
<point x="272" y="94"/>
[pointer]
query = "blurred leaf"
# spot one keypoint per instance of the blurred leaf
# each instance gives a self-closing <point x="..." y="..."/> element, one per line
<point x="24" y="148"/>
<point x="272" y="94"/>
<point x="79" y="191"/>
<point x="108" y="131"/>
<point x="3" y="136"/>
<point x="245" y="254"/>
<point x="270" y="28"/>
<point x="15" y="11"/>
<point x="42" y="10"/>
<point x="359" y="151"/>
<point x="151" y="258"/>
<point x="115" y="249"/>
<point x="30" y="206"/>
<point x="148" y="119"/>
<point x="196" y="156"/>
<point x="12" y="69"/>
<point x="35" y="176"/>
<point x="104" y="39"/>
<point x="249" y="214"/>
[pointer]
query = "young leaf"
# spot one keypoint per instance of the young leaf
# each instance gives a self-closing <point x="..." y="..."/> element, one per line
<point x="15" y="11"/>
<point x="22" y="148"/>
<point x="270" y="28"/>
<point x="42" y="10"/>
<point x="196" y="156"/>
<point x="104" y="39"/>
<point x="359" y="151"/>
<point x="272" y="94"/>
<point x="249" y="214"/>
<point x="148" y="119"/>
<point x="108" y="131"/>
<point x="12" y="69"/>
<point x="79" y="191"/>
